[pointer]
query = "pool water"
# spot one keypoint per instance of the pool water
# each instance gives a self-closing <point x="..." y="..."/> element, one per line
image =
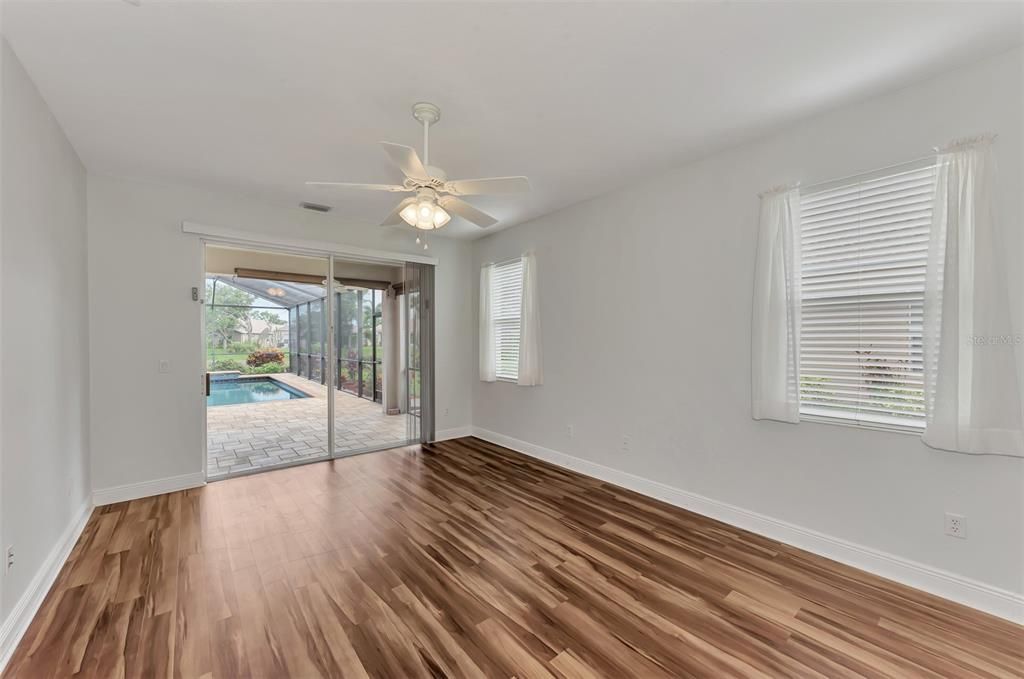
<point x="255" y="390"/>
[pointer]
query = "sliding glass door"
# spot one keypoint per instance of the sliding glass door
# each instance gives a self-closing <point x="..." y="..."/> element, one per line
<point x="310" y="358"/>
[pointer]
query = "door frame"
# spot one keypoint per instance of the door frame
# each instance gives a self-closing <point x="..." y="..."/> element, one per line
<point x="214" y="235"/>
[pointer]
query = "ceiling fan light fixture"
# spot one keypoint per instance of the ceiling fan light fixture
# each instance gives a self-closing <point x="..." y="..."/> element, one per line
<point x="408" y="214"/>
<point x="441" y="217"/>
<point x="426" y="215"/>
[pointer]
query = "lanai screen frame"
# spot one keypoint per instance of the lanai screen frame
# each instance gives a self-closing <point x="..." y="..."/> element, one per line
<point x="307" y="325"/>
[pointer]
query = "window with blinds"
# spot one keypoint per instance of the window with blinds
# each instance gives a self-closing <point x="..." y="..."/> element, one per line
<point x="863" y="251"/>
<point x="507" y="304"/>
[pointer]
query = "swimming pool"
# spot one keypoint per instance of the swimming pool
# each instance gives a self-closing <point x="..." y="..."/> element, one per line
<point x="249" y="390"/>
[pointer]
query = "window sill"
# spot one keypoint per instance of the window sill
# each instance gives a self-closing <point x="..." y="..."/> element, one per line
<point x="860" y="424"/>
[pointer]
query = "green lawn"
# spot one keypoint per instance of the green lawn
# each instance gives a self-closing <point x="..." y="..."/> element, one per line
<point x="218" y="355"/>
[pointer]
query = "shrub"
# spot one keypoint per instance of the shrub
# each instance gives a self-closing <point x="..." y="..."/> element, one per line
<point x="227" y="364"/>
<point x="266" y="369"/>
<point x="264" y="356"/>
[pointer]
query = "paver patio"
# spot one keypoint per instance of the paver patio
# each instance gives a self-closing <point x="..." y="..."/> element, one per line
<point x="248" y="436"/>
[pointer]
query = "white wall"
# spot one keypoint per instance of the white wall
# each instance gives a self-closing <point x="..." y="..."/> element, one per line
<point x="45" y="339"/>
<point x="646" y="302"/>
<point x="148" y="426"/>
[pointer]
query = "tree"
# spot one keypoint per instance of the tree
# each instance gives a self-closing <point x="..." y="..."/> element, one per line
<point x="226" y="311"/>
<point x="269" y="317"/>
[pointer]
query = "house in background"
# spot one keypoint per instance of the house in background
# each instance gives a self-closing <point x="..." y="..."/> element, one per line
<point x="262" y="333"/>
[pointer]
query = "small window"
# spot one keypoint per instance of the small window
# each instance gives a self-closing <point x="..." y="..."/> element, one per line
<point x="507" y="304"/>
<point x="864" y="249"/>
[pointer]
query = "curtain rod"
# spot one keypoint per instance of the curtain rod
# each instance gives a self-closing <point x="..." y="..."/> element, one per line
<point x="933" y="156"/>
<point x="856" y="175"/>
<point x="504" y="261"/>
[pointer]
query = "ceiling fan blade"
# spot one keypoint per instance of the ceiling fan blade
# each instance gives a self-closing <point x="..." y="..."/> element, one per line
<point x="371" y="187"/>
<point x="394" y="217"/>
<point x="407" y="160"/>
<point x="467" y="211"/>
<point x="489" y="185"/>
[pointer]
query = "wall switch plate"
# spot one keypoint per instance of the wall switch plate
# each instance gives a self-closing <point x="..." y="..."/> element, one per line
<point x="956" y="525"/>
<point x="164" y="366"/>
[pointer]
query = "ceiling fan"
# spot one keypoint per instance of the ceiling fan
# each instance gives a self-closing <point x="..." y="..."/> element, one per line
<point x="437" y="197"/>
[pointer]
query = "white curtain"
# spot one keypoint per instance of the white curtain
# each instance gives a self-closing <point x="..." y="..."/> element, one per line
<point x="488" y="368"/>
<point x="530" y="368"/>
<point x="971" y="388"/>
<point x="775" y="339"/>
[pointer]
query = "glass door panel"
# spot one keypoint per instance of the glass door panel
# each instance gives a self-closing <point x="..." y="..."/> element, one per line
<point x="361" y="422"/>
<point x="267" y="405"/>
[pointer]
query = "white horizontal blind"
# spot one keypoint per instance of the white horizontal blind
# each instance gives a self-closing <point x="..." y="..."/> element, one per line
<point x="864" y="248"/>
<point x="507" y="304"/>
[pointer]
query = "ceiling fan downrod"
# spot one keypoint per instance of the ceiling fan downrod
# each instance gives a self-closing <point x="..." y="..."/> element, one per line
<point x="428" y="114"/>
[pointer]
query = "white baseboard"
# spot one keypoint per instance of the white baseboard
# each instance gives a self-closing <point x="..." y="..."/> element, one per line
<point x="133" y="491"/>
<point x="16" y="624"/>
<point x="454" y="433"/>
<point x="999" y="602"/>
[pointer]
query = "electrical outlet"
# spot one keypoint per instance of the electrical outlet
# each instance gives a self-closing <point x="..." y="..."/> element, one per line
<point x="956" y="525"/>
<point x="571" y="431"/>
<point x="626" y="443"/>
<point x="163" y="366"/>
<point x="10" y="558"/>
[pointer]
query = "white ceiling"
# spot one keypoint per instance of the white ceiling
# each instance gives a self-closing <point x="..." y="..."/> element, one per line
<point x="260" y="96"/>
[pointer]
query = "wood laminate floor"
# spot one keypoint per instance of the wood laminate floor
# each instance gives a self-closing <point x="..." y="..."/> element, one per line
<point x="468" y="560"/>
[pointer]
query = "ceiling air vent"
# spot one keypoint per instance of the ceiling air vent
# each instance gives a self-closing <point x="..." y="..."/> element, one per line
<point x="315" y="207"/>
